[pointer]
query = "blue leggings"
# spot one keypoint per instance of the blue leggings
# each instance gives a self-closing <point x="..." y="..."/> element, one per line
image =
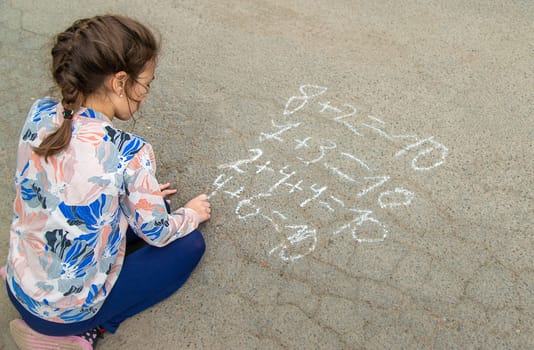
<point x="149" y="275"/>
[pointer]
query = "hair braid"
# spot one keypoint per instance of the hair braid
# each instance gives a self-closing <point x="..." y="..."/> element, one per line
<point x="85" y="54"/>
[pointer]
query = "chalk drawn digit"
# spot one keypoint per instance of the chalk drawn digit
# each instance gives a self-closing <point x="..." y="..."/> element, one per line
<point x="297" y="245"/>
<point x="317" y="191"/>
<point x="237" y="193"/>
<point x="246" y="208"/>
<point x="322" y="152"/>
<point x="363" y="225"/>
<point x="325" y="200"/>
<point x="236" y="165"/>
<point x="342" y="119"/>
<point x="276" y="135"/>
<point x="296" y="103"/>
<point x="243" y="206"/>
<point x="396" y="198"/>
<point x="353" y="111"/>
<point x="433" y="146"/>
<point x="283" y="180"/>
<point x="219" y="183"/>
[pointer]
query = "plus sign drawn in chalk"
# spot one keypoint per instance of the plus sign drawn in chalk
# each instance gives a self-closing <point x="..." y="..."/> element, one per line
<point x="298" y="167"/>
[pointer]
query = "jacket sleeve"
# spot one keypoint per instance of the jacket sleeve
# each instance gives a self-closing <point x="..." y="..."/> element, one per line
<point x="144" y="205"/>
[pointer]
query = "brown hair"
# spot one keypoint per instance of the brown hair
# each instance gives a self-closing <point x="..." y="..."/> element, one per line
<point x="85" y="54"/>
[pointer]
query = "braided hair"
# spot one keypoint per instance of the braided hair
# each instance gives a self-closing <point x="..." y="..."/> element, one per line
<point x="84" y="55"/>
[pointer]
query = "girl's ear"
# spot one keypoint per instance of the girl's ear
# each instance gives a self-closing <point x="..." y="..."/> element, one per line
<point x="118" y="81"/>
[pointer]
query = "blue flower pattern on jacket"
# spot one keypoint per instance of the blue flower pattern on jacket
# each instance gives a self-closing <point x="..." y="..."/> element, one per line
<point x="67" y="236"/>
<point x="69" y="255"/>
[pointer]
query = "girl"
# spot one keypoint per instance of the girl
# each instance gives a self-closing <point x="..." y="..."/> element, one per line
<point x="86" y="191"/>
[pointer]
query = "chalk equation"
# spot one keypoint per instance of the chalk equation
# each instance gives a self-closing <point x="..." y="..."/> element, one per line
<point x="297" y="164"/>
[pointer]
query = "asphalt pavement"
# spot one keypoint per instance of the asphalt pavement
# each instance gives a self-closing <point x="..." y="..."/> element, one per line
<point x="369" y="165"/>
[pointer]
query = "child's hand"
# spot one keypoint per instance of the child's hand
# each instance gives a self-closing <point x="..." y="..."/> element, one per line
<point x="165" y="192"/>
<point x="201" y="206"/>
<point x="164" y="189"/>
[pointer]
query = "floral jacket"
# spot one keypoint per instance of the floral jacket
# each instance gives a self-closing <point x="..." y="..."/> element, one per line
<point x="67" y="239"/>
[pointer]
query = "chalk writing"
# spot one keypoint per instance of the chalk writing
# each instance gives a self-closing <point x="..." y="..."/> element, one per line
<point x="307" y="92"/>
<point x="236" y="165"/>
<point x="387" y="199"/>
<point x="305" y="238"/>
<point x="276" y="136"/>
<point x="320" y="152"/>
<point x="434" y="146"/>
<point x="345" y="191"/>
<point x="355" y="226"/>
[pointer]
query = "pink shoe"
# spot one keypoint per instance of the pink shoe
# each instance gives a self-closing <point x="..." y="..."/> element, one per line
<point x="3" y="272"/>
<point x="28" y="339"/>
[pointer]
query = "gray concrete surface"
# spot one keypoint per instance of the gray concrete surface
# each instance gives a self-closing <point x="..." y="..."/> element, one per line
<point x="391" y="208"/>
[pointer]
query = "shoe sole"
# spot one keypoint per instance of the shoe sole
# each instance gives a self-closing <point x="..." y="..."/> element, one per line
<point x="28" y="339"/>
